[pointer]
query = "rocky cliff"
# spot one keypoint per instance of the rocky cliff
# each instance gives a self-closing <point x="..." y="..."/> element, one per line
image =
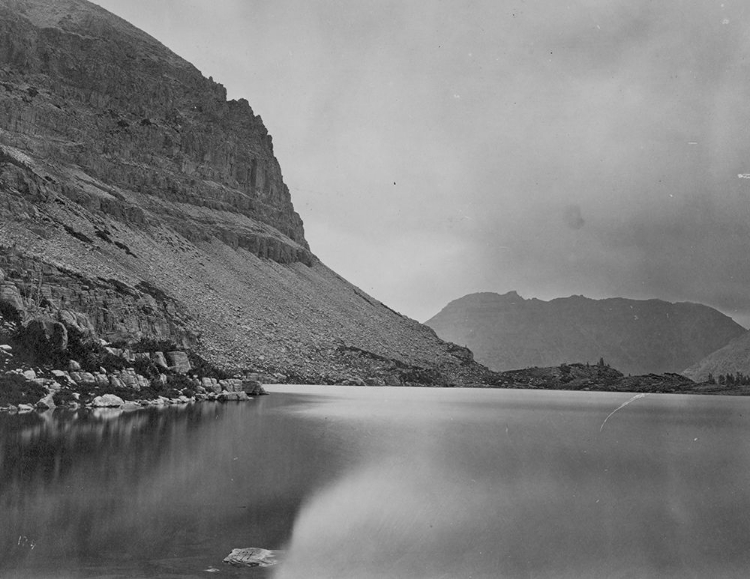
<point x="507" y="332"/>
<point x="137" y="202"/>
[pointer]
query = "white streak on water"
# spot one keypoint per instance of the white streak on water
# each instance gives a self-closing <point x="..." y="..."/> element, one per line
<point x="620" y="407"/>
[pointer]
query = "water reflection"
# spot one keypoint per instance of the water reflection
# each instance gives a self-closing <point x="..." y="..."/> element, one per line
<point x="154" y="492"/>
<point x="384" y="482"/>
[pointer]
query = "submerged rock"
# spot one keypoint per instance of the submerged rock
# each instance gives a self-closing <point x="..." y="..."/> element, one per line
<point x="253" y="557"/>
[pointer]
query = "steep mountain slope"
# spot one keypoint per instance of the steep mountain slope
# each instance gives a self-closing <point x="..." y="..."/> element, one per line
<point x="136" y="201"/>
<point x="507" y="332"/>
<point x="731" y="359"/>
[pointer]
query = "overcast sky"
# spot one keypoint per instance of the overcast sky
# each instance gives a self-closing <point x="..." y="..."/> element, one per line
<point x="437" y="148"/>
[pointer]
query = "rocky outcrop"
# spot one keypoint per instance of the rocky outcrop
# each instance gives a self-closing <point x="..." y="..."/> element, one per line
<point x="50" y="299"/>
<point x="253" y="557"/>
<point x="636" y="336"/>
<point x="137" y="202"/>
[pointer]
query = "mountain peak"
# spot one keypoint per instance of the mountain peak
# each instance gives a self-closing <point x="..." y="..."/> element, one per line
<point x="512" y="295"/>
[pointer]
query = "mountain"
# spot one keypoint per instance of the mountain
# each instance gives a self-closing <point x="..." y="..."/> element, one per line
<point x="507" y="331"/>
<point x="731" y="359"/>
<point x="137" y="202"/>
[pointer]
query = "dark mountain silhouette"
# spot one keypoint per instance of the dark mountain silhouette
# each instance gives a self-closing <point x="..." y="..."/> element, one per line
<point x="507" y="331"/>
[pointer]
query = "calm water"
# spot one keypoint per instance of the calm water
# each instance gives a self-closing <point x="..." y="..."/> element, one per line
<point x="360" y="483"/>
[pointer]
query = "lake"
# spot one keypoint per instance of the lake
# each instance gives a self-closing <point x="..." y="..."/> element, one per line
<point x="361" y="483"/>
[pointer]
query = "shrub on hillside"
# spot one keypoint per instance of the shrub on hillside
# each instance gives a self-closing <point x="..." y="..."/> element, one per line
<point x="206" y="369"/>
<point x="147" y="368"/>
<point x="15" y="389"/>
<point x="64" y="397"/>
<point x="182" y="383"/>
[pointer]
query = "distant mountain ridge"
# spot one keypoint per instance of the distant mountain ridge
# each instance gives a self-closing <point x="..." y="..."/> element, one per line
<point x="507" y="332"/>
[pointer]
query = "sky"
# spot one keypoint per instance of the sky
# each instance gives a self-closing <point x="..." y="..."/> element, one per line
<point x="436" y="148"/>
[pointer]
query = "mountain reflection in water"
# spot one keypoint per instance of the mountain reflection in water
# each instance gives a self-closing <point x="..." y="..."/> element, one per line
<point x="152" y="492"/>
<point x="382" y="482"/>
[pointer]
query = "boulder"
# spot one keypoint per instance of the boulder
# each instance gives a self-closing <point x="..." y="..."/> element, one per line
<point x="392" y="380"/>
<point x="25" y="408"/>
<point x="43" y="336"/>
<point x="253" y="388"/>
<point x="115" y="382"/>
<point x="179" y="362"/>
<point x="77" y="321"/>
<point x="87" y="378"/>
<point x="160" y="360"/>
<point x="253" y="557"/>
<point x="74" y="366"/>
<point x="107" y="401"/>
<point x="214" y="386"/>
<point x="46" y="403"/>
<point x="129" y="378"/>
<point x="230" y="385"/>
<point x="61" y="375"/>
<point x="29" y="374"/>
<point x="375" y="381"/>
<point x="232" y="397"/>
<point x="11" y="297"/>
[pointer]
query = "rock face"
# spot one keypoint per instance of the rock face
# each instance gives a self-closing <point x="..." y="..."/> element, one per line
<point x="506" y="332"/>
<point x="136" y="202"/>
